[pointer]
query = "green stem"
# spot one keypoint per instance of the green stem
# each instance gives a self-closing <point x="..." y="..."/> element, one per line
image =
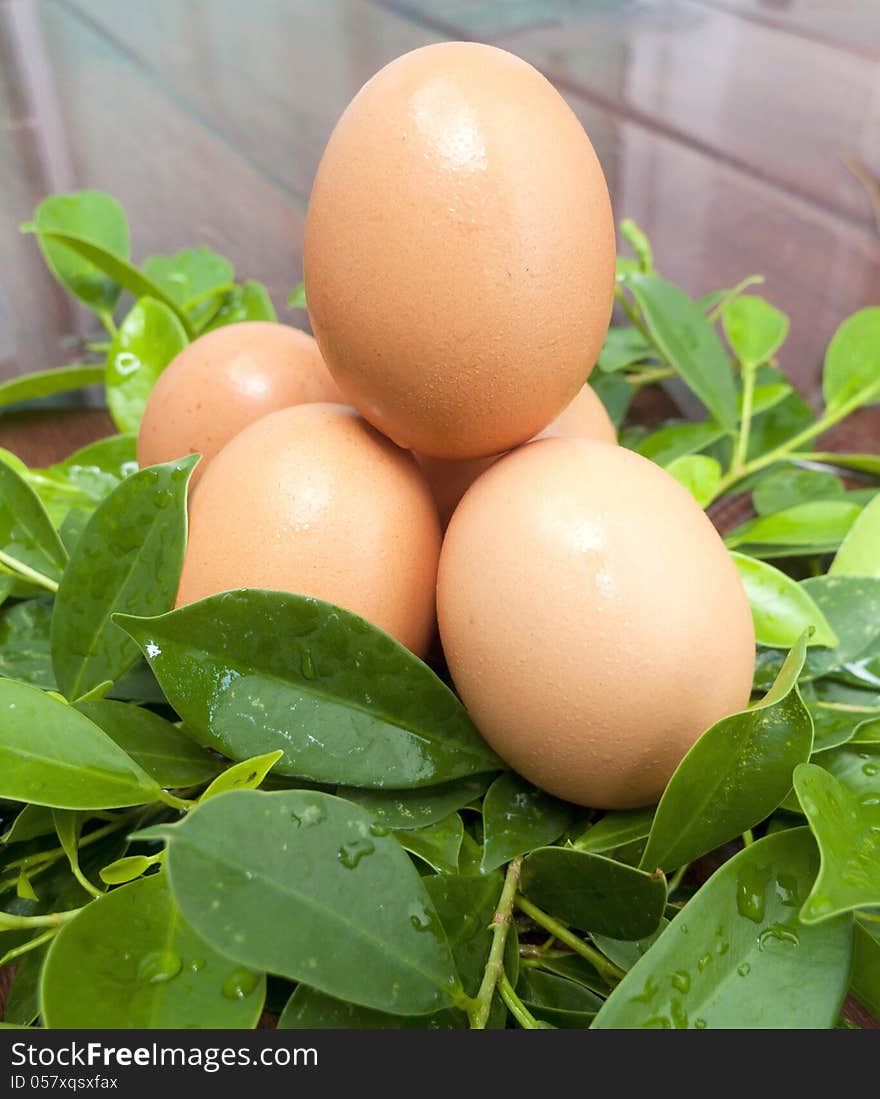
<point x="515" y="1005"/>
<point x="716" y="311"/>
<point x="607" y="969"/>
<point x="207" y="295"/>
<point x="27" y="573"/>
<point x="106" y="318"/>
<point x="175" y="802"/>
<point x="741" y="449"/>
<point x="747" y="838"/>
<point x="31" y="944"/>
<point x="676" y="879"/>
<point x="641" y="378"/>
<point x="10" y="922"/>
<point x="44" y="859"/>
<point x="479" y="1012"/>
<point x="635" y="317"/>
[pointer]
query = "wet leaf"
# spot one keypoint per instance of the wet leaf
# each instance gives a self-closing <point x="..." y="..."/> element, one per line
<point x="735" y="775"/>
<point x="401" y="809"/>
<point x="557" y="1000"/>
<point x="236" y="869"/>
<point x="29" y="545"/>
<point x="85" y="478"/>
<point x="616" y="829"/>
<point x="130" y="961"/>
<point x="755" y="330"/>
<point x="128" y="560"/>
<point x="781" y="608"/>
<point x="625" y="953"/>
<point x="518" y="817"/>
<point x="437" y="844"/>
<point x="851" y="375"/>
<point x="308" y="1009"/>
<point x="847" y="832"/>
<point x="737" y="957"/>
<point x="252" y="671"/>
<point x="593" y="892"/>
<point x="859" y="554"/>
<point x="25" y="652"/>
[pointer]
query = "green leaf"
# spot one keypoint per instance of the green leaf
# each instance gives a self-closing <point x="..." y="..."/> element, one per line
<point x="127" y="869"/>
<point x="248" y="302"/>
<point x="577" y="968"/>
<point x="700" y="475"/>
<point x="195" y="279"/>
<point x="563" y="1003"/>
<point x="639" y="243"/>
<point x="22" y="1001"/>
<point x="851" y="606"/>
<point x="623" y="347"/>
<point x="790" y="485"/>
<point x="308" y="1009"/>
<point x="864" y="463"/>
<point x="735" y="775"/>
<point x="832" y="727"/>
<point x="85" y="478"/>
<point x="625" y="953"/>
<point x="678" y="440"/>
<point x="25" y="652"/>
<point x="235" y="866"/>
<point x="437" y="844"/>
<point x="166" y="753"/>
<point x="251" y="671"/>
<point x="615" y="393"/>
<point x="29" y="544"/>
<point x="781" y="608"/>
<point x="615" y="829"/>
<point x="50" y="754"/>
<point x="48" y="383"/>
<point x="129" y="961"/>
<point x="593" y="892"/>
<point x="859" y="553"/>
<point x="296" y="299"/>
<point x="736" y="957"/>
<point x="765" y="397"/>
<point x="247" y="775"/>
<point x="816" y="525"/>
<point x="755" y="330"/>
<point x="518" y="817"/>
<point x="128" y="559"/>
<point x="148" y="339"/>
<point x="402" y="809"/>
<point x="689" y="343"/>
<point x="851" y="375"/>
<point x="90" y="216"/>
<point x="847" y="832"/>
<point x="855" y="766"/>
<point x="865" y="979"/>
<point x="32" y="821"/>
<point x="778" y="424"/>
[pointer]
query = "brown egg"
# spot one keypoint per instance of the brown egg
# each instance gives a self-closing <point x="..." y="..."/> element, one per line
<point x="313" y="500"/>
<point x="224" y="381"/>
<point x="450" y="478"/>
<point x="593" y="621"/>
<point x="459" y="251"/>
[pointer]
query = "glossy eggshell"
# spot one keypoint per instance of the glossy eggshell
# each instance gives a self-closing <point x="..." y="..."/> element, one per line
<point x="593" y="621"/>
<point x="459" y="251"/>
<point x="450" y="478"/>
<point x="313" y="500"/>
<point x="224" y="381"/>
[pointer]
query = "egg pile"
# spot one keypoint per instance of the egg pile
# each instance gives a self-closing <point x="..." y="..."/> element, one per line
<point x="436" y="458"/>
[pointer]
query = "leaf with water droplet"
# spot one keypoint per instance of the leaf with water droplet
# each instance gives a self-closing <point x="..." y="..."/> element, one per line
<point x="124" y="962"/>
<point x="372" y="715"/>
<point x="247" y="775"/>
<point x="81" y="481"/>
<point x="25" y="650"/>
<point x="848" y="836"/>
<point x="593" y="892"/>
<point x="436" y="844"/>
<point x="405" y="809"/>
<point x="29" y="544"/>
<point x="774" y="973"/>
<point x="128" y="559"/>
<point x="735" y="775"/>
<point x="517" y="817"/>
<point x="274" y="895"/>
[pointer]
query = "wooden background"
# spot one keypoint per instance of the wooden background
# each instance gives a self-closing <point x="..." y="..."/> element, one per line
<point x="724" y="127"/>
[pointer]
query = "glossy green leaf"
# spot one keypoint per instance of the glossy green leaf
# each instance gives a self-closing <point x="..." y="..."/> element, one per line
<point x="50" y="754"/>
<point x="625" y="952"/>
<point x="623" y="347"/>
<point x="699" y="474"/>
<point x="819" y="523"/>
<point x="615" y="829"/>
<point x="196" y="279"/>
<point x="867" y="731"/>
<point x="857" y="767"/>
<point x="32" y="821"/>
<point x="677" y="441"/>
<point x="29" y="544"/>
<point x="557" y="1000"/>
<point x="735" y="775"/>
<point x="308" y="1009"/>
<point x="576" y="968"/>
<point x="737" y="956"/>
<point x="251" y="671"/>
<point x="128" y="560"/>
<point x="48" y="383"/>
<point x="127" y="869"/>
<point x="859" y="553"/>
<point x="832" y="726"/>
<point x="166" y="753"/>
<point x="865" y="979"/>
<point x="25" y="652"/>
<point x="401" y="809"/>
<point x="847" y="832"/>
<point x="436" y="844"/>
<point x="790" y="485"/>
<point x="593" y="892"/>
<point x="518" y="817"/>
<point x="755" y="330"/>
<point x="235" y="866"/>
<point x="781" y="608"/>
<point x="85" y="478"/>
<point x="689" y="344"/>
<point x="248" y="302"/>
<point x="851" y="375"/>
<point x="851" y="606"/>
<point x="247" y="775"/>
<point x="91" y="216"/>
<point x="148" y="339"/>
<point x="129" y="961"/>
<point x="296" y="299"/>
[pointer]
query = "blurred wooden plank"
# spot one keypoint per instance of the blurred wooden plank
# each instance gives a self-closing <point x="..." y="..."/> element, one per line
<point x="41" y="438"/>
<point x="851" y="24"/>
